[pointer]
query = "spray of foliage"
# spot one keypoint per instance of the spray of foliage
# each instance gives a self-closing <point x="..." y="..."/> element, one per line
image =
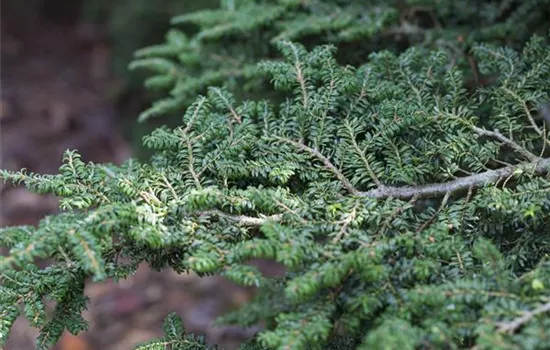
<point x="409" y="203"/>
<point x="233" y="38"/>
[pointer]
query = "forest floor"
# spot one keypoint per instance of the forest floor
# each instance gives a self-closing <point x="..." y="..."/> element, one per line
<point x="55" y="96"/>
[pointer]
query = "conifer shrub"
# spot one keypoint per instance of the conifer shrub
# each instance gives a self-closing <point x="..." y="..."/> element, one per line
<point x="409" y="205"/>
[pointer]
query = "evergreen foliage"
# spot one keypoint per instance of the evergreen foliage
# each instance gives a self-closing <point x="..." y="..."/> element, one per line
<point x="233" y="38"/>
<point x="175" y="338"/>
<point x="410" y="207"/>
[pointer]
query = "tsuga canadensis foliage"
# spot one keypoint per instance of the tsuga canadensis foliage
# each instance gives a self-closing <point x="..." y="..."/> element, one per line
<point x="221" y="47"/>
<point x="409" y="204"/>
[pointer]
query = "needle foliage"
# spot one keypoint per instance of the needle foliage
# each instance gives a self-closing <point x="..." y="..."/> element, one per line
<point x="408" y="196"/>
<point x="223" y="46"/>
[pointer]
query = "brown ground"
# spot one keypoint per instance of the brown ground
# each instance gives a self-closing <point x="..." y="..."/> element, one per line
<point x="54" y="85"/>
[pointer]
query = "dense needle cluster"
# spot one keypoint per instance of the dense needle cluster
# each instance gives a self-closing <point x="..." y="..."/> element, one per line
<point x="409" y="205"/>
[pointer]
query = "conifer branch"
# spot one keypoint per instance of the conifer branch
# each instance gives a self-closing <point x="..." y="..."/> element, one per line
<point x="346" y="222"/>
<point x="431" y="190"/>
<point x="434" y="216"/>
<point x="527" y="113"/>
<point x="328" y="164"/>
<point x="499" y="136"/>
<point x="196" y="110"/>
<point x="301" y="80"/>
<point x="396" y="213"/>
<point x="466" y="183"/>
<point x="220" y="95"/>
<point x="191" y="167"/>
<point x="496" y="134"/>
<point x="299" y="73"/>
<point x="526" y="317"/>
<point x="361" y="154"/>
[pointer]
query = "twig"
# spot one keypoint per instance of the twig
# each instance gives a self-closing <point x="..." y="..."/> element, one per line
<point x="432" y="218"/>
<point x="191" y="166"/>
<point x="431" y="190"/>
<point x="194" y="116"/>
<point x="361" y="154"/>
<point x="527" y="113"/>
<point x="169" y="186"/>
<point x="468" y="197"/>
<point x="301" y="80"/>
<point x="526" y="317"/>
<point x="242" y="219"/>
<point x="394" y="215"/>
<point x="351" y="216"/>
<point x="496" y="134"/>
<point x="227" y="104"/>
<point x="325" y="161"/>
<point x="299" y="74"/>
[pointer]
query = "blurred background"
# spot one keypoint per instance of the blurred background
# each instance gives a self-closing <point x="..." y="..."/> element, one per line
<point x="65" y="85"/>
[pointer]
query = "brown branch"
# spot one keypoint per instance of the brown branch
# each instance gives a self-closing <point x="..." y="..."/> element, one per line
<point x="526" y="317"/>
<point x="431" y="190"/>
